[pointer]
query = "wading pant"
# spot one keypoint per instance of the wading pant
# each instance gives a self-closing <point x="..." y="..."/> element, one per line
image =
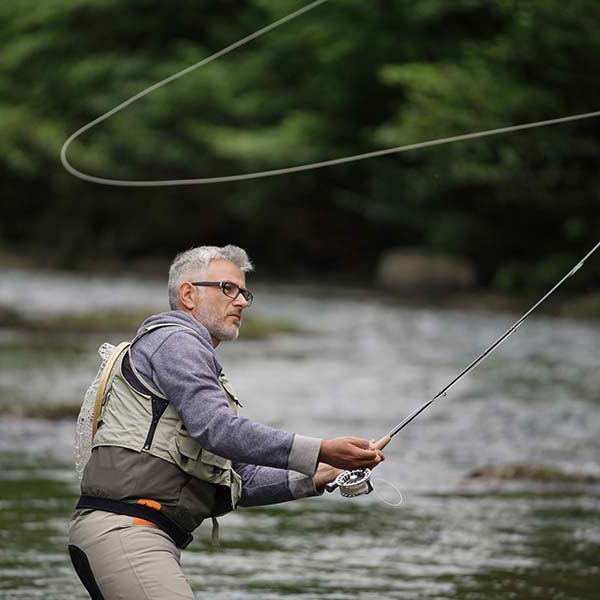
<point x="118" y="559"/>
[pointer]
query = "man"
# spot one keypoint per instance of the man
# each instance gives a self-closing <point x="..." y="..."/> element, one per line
<point x="170" y="449"/>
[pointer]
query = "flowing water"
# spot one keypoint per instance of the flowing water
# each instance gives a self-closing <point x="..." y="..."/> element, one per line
<point x="360" y="366"/>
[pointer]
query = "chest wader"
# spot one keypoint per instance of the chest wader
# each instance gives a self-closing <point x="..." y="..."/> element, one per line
<point x="144" y="463"/>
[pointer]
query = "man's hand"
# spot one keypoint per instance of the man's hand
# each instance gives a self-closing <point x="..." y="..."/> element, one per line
<point x="324" y="475"/>
<point x="350" y="453"/>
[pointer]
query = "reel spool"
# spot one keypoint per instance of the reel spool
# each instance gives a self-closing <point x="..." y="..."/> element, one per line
<point x="354" y="483"/>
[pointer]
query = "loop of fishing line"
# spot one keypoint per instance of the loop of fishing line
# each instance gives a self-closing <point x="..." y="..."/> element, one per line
<point x="282" y="171"/>
<point x="394" y="487"/>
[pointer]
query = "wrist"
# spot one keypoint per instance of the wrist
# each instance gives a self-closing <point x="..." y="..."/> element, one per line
<point x="324" y="451"/>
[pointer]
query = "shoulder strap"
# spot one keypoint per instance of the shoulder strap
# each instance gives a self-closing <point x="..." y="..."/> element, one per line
<point x="104" y="377"/>
<point x="110" y="363"/>
<point x="141" y="334"/>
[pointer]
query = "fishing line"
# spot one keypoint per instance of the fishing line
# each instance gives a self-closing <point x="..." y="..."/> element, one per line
<point x="282" y="171"/>
<point x="394" y="487"/>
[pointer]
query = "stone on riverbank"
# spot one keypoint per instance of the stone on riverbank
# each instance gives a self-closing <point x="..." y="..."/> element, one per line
<point x="586" y="306"/>
<point x="412" y="272"/>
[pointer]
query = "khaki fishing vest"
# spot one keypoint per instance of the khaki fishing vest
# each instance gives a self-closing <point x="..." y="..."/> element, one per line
<point x="145" y="422"/>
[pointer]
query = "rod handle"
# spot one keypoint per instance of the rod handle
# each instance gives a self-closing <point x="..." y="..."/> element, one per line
<point x="383" y="442"/>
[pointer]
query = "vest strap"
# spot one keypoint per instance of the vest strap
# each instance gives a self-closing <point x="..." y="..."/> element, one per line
<point x="105" y="376"/>
<point x="159" y="404"/>
<point x="180" y="536"/>
<point x="215" y="540"/>
<point x="153" y="391"/>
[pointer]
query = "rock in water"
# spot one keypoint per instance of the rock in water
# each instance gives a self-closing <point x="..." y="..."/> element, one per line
<point x="412" y="272"/>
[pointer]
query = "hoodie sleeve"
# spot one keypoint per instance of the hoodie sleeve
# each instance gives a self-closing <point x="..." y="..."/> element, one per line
<point x="185" y="369"/>
<point x="265" y="485"/>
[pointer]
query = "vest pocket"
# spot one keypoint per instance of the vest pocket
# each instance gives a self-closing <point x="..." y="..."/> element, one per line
<point x="201" y="463"/>
<point x="214" y="460"/>
<point x="213" y="468"/>
<point x="187" y="447"/>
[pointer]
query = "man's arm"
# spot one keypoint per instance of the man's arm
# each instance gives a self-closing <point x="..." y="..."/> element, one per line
<point x="265" y="485"/>
<point x="183" y="366"/>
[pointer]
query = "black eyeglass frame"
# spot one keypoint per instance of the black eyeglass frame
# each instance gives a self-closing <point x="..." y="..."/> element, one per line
<point x="247" y="294"/>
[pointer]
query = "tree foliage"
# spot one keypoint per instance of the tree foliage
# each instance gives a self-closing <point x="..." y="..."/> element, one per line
<point x="349" y="77"/>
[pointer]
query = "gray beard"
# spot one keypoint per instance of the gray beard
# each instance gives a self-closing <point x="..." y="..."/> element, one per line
<point x="217" y="328"/>
<point x="222" y="332"/>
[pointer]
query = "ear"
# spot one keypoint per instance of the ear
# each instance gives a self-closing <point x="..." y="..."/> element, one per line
<point x="187" y="296"/>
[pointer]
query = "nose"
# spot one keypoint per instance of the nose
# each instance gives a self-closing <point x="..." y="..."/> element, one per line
<point x="240" y="301"/>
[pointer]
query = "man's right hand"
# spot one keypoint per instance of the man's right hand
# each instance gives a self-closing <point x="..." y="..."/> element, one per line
<point x="350" y="453"/>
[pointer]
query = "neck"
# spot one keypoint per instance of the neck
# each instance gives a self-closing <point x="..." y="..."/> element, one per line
<point x="214" y="341"/>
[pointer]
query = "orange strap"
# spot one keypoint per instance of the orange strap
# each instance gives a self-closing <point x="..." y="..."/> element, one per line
<point x="152" y="504"/>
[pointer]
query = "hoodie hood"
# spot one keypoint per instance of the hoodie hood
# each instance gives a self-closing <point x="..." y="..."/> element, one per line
<point x="180" y="317"/>
<point x="183" y="318"/>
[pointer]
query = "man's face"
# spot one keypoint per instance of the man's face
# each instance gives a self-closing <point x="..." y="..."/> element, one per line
<point x="221" y="315"/>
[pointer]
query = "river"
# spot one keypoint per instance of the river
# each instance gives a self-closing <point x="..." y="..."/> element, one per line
<point x="360" y="365"/>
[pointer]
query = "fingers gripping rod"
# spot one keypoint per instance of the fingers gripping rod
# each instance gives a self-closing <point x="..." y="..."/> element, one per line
<point x="381" y="443"/>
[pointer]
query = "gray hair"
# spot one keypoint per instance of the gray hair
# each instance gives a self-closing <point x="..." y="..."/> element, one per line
<point x="198" y="259"/>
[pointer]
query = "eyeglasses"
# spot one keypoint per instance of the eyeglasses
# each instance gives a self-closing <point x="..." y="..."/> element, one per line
<point x="230" y="289"/>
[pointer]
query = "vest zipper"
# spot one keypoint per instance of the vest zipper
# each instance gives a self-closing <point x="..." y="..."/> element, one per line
<point x="158" y="408"/>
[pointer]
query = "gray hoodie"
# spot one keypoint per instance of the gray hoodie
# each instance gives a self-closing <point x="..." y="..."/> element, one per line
<point x="275" y="465"/>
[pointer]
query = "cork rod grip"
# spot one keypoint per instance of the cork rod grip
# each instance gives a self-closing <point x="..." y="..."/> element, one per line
<point x="383" y="442"/>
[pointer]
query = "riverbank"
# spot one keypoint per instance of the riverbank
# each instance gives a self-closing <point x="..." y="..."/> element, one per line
<point x="121" y="321"/>
<point x="575" y="305"/>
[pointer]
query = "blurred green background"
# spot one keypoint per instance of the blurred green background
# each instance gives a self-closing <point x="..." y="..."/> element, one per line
<point x="351" y="76"/>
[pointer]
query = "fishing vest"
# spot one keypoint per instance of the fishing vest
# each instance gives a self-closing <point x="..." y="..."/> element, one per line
<point x="137" y="417"/>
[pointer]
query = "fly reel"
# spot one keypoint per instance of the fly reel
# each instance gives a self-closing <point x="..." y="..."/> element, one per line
<point x="353" y="483"/>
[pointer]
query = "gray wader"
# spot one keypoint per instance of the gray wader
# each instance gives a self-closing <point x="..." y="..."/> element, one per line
<point x="118" y="560"/>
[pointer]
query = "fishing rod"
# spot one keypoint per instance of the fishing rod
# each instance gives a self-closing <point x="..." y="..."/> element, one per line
<point x="357" y="482"/>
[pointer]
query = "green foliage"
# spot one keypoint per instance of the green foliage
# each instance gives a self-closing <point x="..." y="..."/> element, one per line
<point x="531" y="276"/>
<point x="349" y="77"/>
